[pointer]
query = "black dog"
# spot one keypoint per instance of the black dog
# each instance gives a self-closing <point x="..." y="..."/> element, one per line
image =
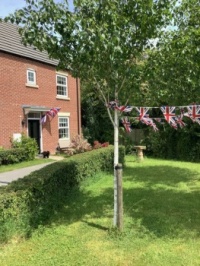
<point x="45" y="154"/>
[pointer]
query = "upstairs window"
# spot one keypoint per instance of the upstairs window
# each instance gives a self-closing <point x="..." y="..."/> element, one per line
<point x="61" y="84"/>
<point x="31" y="77"/>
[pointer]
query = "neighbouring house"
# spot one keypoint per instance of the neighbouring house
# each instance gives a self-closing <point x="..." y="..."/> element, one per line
<point x="30" y="86"/>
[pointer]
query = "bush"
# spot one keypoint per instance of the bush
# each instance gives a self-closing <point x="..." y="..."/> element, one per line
<point x="12" y="156"/>
<point x="98" y="145"/>
<point x="29" y="202"/>
<point x="181" y="144"/>
<point x="79" y="144"/>
<point x="28" y="144"/>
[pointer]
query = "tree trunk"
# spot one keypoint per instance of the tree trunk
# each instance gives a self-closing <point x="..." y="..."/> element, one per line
<point x="116" y="161"/>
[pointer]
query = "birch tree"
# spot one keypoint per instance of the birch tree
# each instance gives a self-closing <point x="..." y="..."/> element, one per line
<point x="100" y="41"/>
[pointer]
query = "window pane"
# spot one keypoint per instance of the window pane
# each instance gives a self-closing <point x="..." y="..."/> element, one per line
<point x="63" y="133"/>
<point x="63" y="127"/>
<point x="31" y="76"/>
<point x="61" y="80"/>
<point x="61" y="85"/>
<point x="61" y="90"/>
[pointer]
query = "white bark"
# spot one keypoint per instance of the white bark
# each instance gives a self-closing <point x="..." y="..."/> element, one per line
<point x="116" y="161"/>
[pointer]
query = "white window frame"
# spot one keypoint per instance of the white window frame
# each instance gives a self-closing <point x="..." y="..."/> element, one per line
<point x="64" y="86"/>
<point x="29" y="82"/>
<point x="67" y="127"/>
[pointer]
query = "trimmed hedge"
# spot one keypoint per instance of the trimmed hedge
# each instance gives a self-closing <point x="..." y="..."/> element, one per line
<point x="29" y="202"/>
<point x="182" y="144"/>
<point x="11" y="156"/>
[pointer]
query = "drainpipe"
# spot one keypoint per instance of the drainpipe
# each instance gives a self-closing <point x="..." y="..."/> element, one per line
<point x="78" y="105"/>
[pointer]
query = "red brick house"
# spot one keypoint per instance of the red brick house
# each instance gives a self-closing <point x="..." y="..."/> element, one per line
<point x="30" y="86"/>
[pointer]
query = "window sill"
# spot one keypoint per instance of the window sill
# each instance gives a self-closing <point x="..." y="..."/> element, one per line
<point x="32" y="85"/>
<point x="62" y="98"/>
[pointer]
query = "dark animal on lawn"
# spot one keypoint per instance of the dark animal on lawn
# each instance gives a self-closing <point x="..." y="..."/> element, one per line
<point x="45" y="154"/>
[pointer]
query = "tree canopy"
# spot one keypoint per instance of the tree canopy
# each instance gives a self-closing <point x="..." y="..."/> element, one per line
<point x="175" y="66"/>
<point x="102" y="41"/>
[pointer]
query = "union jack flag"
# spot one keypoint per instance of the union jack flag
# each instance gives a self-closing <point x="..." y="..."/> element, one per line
<point x="142" y="112"/>
<point x="180" y="122"/>
<point x="144" y="117"/>
<point x="149" y="122"/>
<point x="193" y="113"/>
<point x="43" y="119"/>
<point x="53" y="112"/>
<point x="126" y="124"/>
<point x="179" y="119"/>
<point x="169" y="114"/>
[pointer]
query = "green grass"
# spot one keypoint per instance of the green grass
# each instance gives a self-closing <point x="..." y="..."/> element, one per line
<point x="11" y="167"/>
<point x="161" y="222"/>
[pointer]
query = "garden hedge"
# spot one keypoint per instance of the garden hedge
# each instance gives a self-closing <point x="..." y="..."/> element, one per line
<point x="29" y="202"/>
<point x="182" y="144"/>
<point x="14" y="155"/>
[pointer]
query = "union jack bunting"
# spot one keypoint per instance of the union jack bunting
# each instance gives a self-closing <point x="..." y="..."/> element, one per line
<point x="128" y="109"/>
<point x="179" y="119"/>
<point x="169" y="114"/>
<point x="120" y="108"/>
<point x="124" y="108"/>
<point x="149" y="122"/>
<point x="113" y="105"/>
<point x="142" y="112"/>
<point x="126" y="124"/>
<point x="193" y="113"/>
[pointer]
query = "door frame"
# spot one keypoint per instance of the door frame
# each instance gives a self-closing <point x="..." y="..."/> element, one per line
<point x="40" y="130"/>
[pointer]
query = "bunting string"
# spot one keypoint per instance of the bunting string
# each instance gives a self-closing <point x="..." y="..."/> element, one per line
<point x="170" y="115"/>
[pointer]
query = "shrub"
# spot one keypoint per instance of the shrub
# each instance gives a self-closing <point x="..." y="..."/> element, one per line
<point x="98" y="145"/>
<point x="12" y="156"/>
<point x="105" y="144"/>
<point x="28" y="144"/>
<point x="29" y="202"/>
<point x="181" y="144"/>
<point x="79" y="144"/>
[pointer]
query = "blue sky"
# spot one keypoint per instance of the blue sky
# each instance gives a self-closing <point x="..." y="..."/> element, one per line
<point x="9" y="6"/>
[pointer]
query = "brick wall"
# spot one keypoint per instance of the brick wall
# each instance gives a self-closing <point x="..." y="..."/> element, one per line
<point x="14" y="93"/>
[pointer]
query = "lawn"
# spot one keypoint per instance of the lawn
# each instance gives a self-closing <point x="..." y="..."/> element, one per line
<point x="161" y="222"/>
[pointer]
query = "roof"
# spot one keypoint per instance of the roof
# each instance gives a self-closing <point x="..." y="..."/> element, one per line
<point x="10" y="42"/>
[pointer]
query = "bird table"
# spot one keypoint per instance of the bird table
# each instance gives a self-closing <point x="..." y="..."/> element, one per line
<point x="139" y="150"/>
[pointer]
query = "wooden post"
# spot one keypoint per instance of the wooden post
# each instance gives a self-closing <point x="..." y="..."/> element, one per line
<point x="118" y="169"/>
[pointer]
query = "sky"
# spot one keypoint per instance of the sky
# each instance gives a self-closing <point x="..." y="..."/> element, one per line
<point x="9" y="6"/>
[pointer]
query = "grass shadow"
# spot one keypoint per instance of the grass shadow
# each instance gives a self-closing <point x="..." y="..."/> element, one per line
<point x="166" y="204"/>
<point x="168" y="175"/>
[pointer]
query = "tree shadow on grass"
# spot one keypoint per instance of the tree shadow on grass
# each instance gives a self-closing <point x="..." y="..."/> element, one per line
<point x="154" y="175"/>
<point x="166" y="204"/>
<point x="165" y="200"/>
